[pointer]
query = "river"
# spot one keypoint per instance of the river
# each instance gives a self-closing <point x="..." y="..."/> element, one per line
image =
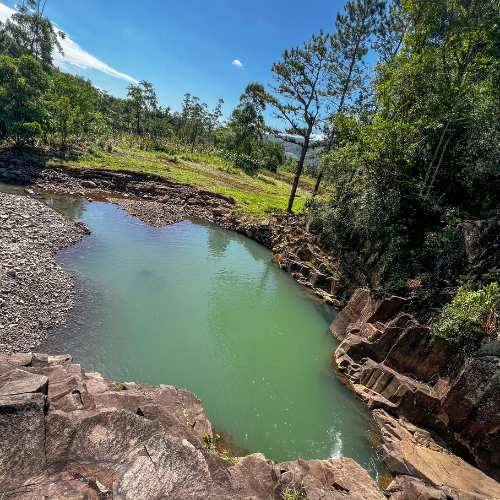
<point x="198" y="307"/>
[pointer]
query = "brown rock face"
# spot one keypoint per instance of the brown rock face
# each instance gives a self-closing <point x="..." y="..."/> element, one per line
<point x="447" y="473"/>
<point x="67" y="434"/>
<point x="394" y="363"/>
<point x="425" y="467"/>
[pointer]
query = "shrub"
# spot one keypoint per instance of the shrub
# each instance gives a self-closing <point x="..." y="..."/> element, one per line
<point x="228" y="456"/>
<point x="294" y="492"/>
<point x="470" y="315"/>
<point x="208" y="445"/>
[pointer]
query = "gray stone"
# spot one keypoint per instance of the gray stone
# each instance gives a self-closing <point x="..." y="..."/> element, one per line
<point x="22" y="439"/>
<point x="22" y="382"/>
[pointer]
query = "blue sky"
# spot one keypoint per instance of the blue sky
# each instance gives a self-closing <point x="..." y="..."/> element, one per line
<point x="184" y="46"/>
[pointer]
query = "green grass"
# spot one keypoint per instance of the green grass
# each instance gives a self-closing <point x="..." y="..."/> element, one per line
<point x="256" y="196"/>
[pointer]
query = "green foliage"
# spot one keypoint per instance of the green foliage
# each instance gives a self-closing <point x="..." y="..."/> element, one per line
<point x="425" y="145"/>
<point x="23" y="84"/>
<point x="209" y="445"/>
<point x="294" y="492"/>
<point x="72" y="103"/>
<point x="246" y="121"/>
<point x="228" y="456"/>
<point x="466" y="317"/>
<point x="492" y="275"/>
<point x="29" y="32"/>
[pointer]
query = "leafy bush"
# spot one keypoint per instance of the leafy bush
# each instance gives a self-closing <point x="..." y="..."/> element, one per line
<point x="470" y="315"/>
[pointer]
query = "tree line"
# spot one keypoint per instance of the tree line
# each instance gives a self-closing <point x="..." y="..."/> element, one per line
<point x="42" y="105"/>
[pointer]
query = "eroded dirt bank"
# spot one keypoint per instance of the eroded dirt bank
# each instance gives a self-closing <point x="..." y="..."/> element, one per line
<point x="35" y="292"/>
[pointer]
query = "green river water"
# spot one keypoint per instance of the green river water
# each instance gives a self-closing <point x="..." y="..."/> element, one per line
<point x="202" y="308"/>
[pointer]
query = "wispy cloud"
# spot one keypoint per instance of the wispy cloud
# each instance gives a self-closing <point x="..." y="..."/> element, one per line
<point x="74" y="55"/>
<point x="237" y="63"/>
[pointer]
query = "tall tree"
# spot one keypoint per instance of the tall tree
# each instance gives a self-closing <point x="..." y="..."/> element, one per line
<point x="72" y="101"/>
<point x="213" y="118"/>
<point x="356" y="32"/>
<point x="298" y="96"/>
<point x="142" y="100"/>
<point x="247" y="121"/>
<point x="34" y="33"/>
<point x="23" y="85"/>
<point x="391" y="32"/>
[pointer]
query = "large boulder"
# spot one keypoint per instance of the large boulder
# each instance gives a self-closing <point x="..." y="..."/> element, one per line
<point x="424" y="466"/>
<point x="449" y="473"/>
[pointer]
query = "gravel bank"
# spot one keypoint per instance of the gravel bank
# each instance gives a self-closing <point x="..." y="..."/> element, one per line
<point x="34" y="291"/>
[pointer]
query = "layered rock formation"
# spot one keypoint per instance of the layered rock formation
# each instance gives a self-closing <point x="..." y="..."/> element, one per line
<point x="67" y="434"/>
<point x="394" y="363"/>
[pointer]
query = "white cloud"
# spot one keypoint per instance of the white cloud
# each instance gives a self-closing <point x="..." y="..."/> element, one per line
<point x="74" y="55"/>
<point x="237" y="63"/>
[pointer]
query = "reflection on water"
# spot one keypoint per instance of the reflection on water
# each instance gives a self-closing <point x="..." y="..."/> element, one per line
<point x="199" y="307"/>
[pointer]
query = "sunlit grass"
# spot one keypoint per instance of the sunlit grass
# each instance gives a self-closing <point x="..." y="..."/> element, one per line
<point x="256" y="195"/>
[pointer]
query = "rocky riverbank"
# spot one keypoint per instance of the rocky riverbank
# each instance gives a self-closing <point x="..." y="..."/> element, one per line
<point x="74" y="435"/>
<point x="387" y="354"/>
<point x="35" y="292"/>
<point x="157" y="201"/>
<point x="397" y="367"/>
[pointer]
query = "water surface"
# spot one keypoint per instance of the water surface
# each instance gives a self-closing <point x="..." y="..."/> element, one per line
<point x="202" y="308"/>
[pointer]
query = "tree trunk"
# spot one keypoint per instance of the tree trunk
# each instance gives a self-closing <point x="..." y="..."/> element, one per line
<point x="300" y="165"/>
<point x="194" y="139"/>
<point x="429" y="169"/>
<point x="438" y="166"/>
<point x="318" y="182"/>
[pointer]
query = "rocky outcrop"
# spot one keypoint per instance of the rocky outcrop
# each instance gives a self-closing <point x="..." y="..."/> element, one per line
<point x="34" y="291"/>
<point x="68" y="434"/>
<point x="475" y="248"/>
<point x="424" y="467"/>
<point x="394" y="363"/>
<point x="12" y="168"/>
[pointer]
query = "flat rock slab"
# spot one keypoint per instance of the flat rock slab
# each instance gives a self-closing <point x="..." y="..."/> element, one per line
<point x="23" y="382"/>
<point x="447" y="472"/>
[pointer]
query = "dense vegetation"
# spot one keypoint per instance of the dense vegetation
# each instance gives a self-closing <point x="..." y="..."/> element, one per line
<point x="418" y="149"/>
<point x="470" y="315"/>
<point x="401" y="104"/>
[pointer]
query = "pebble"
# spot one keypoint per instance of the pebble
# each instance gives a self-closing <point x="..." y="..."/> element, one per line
<point x="34" y="291"/>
